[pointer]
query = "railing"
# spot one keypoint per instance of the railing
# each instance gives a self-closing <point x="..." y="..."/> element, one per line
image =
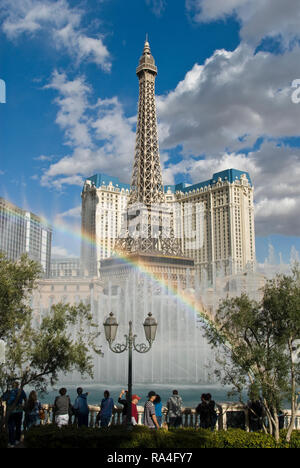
<point x="287" y="419"/>
<point x="229" y="415"/>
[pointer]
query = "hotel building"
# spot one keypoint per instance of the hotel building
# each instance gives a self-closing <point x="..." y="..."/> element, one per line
<point x="214" y="221"/>
<point x="104" y="200"/>
<point x="65" y="267"/>
<point x="24" y="232"/>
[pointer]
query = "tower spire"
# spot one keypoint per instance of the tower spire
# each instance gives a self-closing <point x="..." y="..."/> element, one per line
<point x="147" y="231"/>
<point x="146" y="204"/>
<point x="146" y="183"/>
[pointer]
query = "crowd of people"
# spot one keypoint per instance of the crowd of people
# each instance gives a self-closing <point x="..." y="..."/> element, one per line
<point x="153" y="410"/>
<point x="28" y="412"/>
<point x="65" y="412"/>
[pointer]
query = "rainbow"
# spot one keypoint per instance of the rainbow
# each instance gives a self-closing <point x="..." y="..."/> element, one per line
<point x="186" y="297"/>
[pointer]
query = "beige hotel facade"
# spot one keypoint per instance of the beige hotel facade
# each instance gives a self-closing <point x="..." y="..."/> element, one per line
<point x="214" y="221"/>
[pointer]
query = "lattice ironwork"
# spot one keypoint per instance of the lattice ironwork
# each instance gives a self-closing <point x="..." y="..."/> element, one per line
<point x="146" y="184"/>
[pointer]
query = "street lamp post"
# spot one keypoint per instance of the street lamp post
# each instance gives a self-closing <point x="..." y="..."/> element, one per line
<point x="110" y="328"/>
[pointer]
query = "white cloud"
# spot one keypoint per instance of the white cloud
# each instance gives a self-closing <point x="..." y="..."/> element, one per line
<point x="267" y="208"/>
<point x="101" y="136"/>
<point x="220" y="109"/>
<point x="277" y="190"/>
<point x="203" y="169"/>
<point x="275" y="173"/>
<point x="210" y="10"/>
<point x="60" y="21"/>
<point x="230" y="101"/>
<point x="43" y="158"/>
<point x="73" y="104"/>
<point x="157" y="6"/>
<point x="258" y="18"/>
<point x="59" y="183"/>
<point x="71" y="214"/>
<point x="67" y="226"/>
<point x="60" y="252"/>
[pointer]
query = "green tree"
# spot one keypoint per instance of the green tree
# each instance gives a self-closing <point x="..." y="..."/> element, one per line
<point x="38" y="349"/>
<point x="17" y="279"/>
<point x="281" y="301"/>
<point x="259" y="345"/>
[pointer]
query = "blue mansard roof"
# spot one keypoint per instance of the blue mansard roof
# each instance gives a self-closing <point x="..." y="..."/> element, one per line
<point x="229" y="175"/>
<point x="104" y="179"/>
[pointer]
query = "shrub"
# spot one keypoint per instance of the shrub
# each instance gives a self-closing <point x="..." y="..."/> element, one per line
<point x="118" y="437"/>
<point x="184" y="438"/>
<point x="49" y="436"/>
<point x="237" y="438"/>
<point x="295" y="439"/>
<point x="3" y="439"/>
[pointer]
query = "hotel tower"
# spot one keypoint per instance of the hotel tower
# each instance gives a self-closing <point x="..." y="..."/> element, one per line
<point x="168" y="229"/>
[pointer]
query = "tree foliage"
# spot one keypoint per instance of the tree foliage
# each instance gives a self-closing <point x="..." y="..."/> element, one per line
<point x="63" y="341"/>
<point x="17" y="279"/>
<point x="259" y="344"/>
<point x="39" y="348"/>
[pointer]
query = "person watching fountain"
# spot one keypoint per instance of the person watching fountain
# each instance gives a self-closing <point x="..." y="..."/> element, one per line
<point x="134" y="411"/>
<point x="33" y="411"/>
<point x="207" y="412"/>
<point x="62" y="408"/>
<point x="81" y="408"/>
<point x="107" y="406"/>
<point x="150" y="419"/>
<point x="15" y="400"/>
<point x="158" y="409"/>
<point x="174" y="407"/>
<point x="123" y="401"/>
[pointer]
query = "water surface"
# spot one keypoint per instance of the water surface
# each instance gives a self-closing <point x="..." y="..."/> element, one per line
<point x="190" y="394"/>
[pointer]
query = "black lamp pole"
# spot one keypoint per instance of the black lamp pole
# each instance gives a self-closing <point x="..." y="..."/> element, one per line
<point x="110" y="327"/>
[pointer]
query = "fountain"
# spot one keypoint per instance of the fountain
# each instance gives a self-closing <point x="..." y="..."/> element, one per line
<point x="180" y="353"/>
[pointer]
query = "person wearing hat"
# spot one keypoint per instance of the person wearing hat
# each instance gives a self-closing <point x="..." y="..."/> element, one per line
<point x="150" y="419"/>
<point x="134" y="413"/>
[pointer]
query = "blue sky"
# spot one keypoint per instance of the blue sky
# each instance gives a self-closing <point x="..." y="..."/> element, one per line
<point x="224" y="95"/>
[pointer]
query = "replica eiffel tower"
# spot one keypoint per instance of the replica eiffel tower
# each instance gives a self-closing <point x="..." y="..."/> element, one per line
<point x="147" y="235"/>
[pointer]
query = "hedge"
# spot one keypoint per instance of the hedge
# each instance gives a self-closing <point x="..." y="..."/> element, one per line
<point x="118" y="437"/>
<point x="3" y="440"/>
<point x="237" y="438"/>
<point x="115" y="437"/>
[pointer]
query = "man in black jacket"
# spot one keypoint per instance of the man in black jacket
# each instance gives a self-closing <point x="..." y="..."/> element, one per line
<point x="207" y="412"/>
